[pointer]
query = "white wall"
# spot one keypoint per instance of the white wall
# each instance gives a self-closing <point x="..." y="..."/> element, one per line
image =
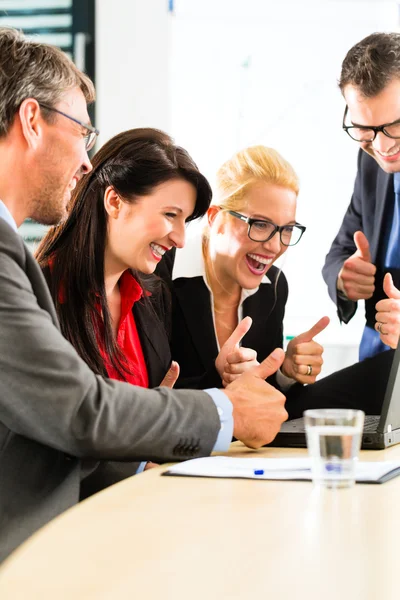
<point x="222" y="74"/>
<point x="132" y="65"/>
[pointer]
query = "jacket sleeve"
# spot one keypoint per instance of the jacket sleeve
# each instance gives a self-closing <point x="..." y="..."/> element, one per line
<point x="343" y="247"/>
<point x="48" y="394"/>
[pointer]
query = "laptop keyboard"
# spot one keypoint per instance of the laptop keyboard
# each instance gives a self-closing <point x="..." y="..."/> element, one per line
<point x="297" y="425"/>
<point x="371" y="423"/>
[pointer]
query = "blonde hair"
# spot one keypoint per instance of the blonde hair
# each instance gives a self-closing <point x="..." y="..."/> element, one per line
<point x="250" y="166"/>
<point x="245" y="168"/>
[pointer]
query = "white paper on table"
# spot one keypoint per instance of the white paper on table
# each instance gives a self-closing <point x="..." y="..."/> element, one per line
<point x="276" y="468"/>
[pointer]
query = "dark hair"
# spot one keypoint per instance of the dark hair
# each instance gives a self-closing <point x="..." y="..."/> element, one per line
<point x="32" y="69"/>
<point x="372" y="64"/>
<point x="133" y="163"/>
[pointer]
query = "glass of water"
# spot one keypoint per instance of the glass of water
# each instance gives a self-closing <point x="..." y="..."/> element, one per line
<point x="333" y="441"/>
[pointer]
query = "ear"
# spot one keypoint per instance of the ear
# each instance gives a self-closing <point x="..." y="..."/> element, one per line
<point x="112" y="203"/>
<point x="212" y="213"/>
<point x="31" y="122"/>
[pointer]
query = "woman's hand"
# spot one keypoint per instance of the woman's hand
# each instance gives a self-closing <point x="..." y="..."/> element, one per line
<point x="303" y="360"/>
<point x="171" y="376"/>
<point x="237" y="362"/>
<point x="388" y="314"/>
<point x="233" y="360"/>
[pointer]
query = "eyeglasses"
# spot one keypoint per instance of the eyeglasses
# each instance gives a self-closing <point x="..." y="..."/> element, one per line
<point x="263" y="231"/>
<point x="92" y="134"/>
<point x="361" y="133"/>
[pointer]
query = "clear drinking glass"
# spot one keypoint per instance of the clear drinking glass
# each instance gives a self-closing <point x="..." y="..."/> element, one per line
<point x="333" y="441"/>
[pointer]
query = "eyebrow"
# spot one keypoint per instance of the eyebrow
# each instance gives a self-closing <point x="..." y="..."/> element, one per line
<point x="262" y="218"/>
<point x="86" y="123"/>
<point x="371" y="126"/>
<point x="362" y="126"/>
<point x="177" y="208"/>
<point x="83" y="123"/>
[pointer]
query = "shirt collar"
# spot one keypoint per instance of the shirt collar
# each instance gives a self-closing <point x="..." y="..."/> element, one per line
<point x="7" y="216"/>
<point x="131" y="292"/>
<point x="189" y="260"/>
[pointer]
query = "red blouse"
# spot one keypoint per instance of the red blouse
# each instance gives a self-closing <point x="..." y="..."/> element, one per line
<point x="127" y="335"/>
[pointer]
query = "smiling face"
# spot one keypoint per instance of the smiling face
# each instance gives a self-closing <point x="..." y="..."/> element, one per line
<point x="61" y="160"/>
<point x="237" y="260"/>
<point x="379" y="110"/>
<point x="140" y="233"/>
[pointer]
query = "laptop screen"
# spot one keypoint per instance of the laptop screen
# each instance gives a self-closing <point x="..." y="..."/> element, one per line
<point x="390" y="414"/>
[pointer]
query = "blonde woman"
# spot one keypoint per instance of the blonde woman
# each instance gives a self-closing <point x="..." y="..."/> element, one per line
<point x="228" y="298"/>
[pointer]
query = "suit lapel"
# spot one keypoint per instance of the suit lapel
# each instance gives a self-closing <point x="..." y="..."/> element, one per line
<point x="194" y="300"/>
<point x="154" y="342"/>
<point x="40" y="287"/>
<point x="382" y="192"/>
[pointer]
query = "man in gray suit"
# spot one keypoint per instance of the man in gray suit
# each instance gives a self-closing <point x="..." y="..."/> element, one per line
<point x="58" y="419"/>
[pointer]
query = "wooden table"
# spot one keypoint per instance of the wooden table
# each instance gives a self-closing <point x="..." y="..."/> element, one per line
<point x="154" y="537"/>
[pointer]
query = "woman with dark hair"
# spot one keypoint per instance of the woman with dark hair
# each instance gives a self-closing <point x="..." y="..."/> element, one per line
<point x="99" y="263"/>
<point x="124" y="216"/>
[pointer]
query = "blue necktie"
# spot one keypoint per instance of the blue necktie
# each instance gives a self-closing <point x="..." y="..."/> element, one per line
<point x="371" y="343"/>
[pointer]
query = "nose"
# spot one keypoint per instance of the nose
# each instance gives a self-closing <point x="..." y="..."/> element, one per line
<point x="86" y="166"/>
<point x="178" y="235"/>
<point x="274" y="244"/>
<point x="383" y="143"/>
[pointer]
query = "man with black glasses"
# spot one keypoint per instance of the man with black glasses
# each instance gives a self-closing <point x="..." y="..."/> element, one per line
<point x="364" y="260"/>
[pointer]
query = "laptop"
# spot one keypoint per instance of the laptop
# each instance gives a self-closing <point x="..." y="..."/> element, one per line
<point x="380" y="431"/>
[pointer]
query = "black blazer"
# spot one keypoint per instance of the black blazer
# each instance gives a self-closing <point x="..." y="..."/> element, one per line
<point x="372" y="198"/>
<point x="193" y="340"/>
<point x="149" y="318"/>
<point x="154" y="340"/>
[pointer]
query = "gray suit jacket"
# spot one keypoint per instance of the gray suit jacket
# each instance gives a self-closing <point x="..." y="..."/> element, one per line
<point x="58" y="419"/>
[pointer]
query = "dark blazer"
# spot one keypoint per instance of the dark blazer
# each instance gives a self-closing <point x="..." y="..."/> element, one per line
<point x="193" y="340"/>
<point x="149" y="314"/>
<point x="373" y="196"/>
<point x="57" y="419"/>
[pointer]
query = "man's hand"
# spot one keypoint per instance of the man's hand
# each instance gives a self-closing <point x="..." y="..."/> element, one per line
<point x="388" y="314"/>
<point x="356" y="278"/>
<point x="232" y="359"/>
<point x="258" y="408"/>
<point x="150" y="465"/>
<point x="172" y="375"/>
<point x="303" y="359"/>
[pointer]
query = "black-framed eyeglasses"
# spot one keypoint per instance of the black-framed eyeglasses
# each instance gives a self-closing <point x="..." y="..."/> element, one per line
<point x="263" y="231"/>
<point x="92" y="134"/>
<point x="362" y="133"/>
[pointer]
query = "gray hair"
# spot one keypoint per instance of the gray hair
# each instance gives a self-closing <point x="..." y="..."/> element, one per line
<point x="372" y="64"/>
<point x="31" y="69"/>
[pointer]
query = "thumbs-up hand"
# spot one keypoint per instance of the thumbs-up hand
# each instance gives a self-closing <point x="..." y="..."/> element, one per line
<point x="303" y="361"/>
<point x="171" y="376"/>
<point x="258" y="407"/>
<point x="356" y="278"/>
<point x="233" y="360"/>
<point x="388" y="314"/>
